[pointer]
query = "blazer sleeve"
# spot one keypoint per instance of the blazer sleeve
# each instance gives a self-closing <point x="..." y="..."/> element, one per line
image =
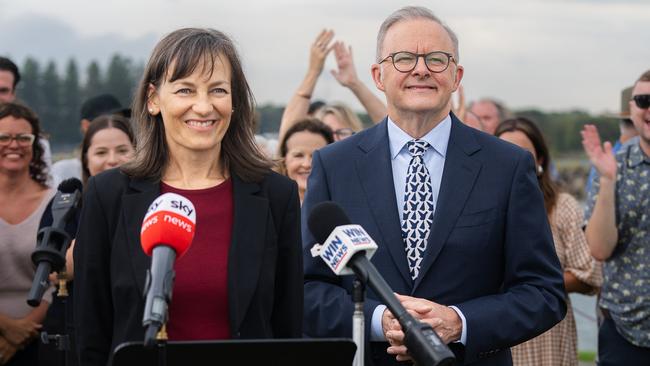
<point x="93" y="307"/>
<point x="532" y="299"/>
<point x="328" y="304"/>
<point x="288" y="303"/>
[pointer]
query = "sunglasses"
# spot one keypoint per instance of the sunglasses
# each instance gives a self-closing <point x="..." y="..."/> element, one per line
<point x="642" y="100"/>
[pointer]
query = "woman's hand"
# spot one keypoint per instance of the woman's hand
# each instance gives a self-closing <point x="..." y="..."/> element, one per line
<point x="19" y="331"/>
<point x="7" y="350"/>
<point x="319" y="50"/>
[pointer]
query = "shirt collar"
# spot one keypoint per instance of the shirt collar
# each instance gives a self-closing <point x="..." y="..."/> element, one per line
<point x="636" y="156"/>
<point x="438" y="137"/>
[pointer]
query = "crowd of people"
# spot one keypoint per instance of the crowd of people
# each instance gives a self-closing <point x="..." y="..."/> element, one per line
<point x="474" y="234"/>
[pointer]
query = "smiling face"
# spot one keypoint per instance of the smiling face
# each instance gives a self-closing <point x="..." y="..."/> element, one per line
<point x="14" y="157"/>
<point x="300" y="148"/>
<point x="419" y="91"/>
<point x="641" y="117"/>
<point x="108" y="149"/>
<point x="195" y="109"/>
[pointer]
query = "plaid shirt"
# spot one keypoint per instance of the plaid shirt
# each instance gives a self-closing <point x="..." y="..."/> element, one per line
<point x="558" y="345"/>
<point x="626" y="286"/>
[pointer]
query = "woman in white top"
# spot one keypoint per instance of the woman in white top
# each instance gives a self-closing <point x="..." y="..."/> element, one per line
<point x="23" y="198"/>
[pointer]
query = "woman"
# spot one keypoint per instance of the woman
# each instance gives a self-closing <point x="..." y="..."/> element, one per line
<point x="297" y="148"/>
<point x="558" y="346"/>
<point x="242" y="275"/>
<point x="108" y="143"/>
<point x="341" y="119"/>
<point x="23" y="198"/>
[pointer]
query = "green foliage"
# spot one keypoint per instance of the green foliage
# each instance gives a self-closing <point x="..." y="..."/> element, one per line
<point x="562" y="129"/>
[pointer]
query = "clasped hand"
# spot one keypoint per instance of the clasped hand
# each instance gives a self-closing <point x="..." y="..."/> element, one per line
<point x="444" y="321"/>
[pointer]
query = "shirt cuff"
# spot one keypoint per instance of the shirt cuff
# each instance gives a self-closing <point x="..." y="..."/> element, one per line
<point x="463" y="333"/>
<point x="376" y="329"/>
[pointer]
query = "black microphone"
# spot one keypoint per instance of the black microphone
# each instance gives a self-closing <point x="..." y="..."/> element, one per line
<point x="339" y="249"/>
<point x="53" y="241"/>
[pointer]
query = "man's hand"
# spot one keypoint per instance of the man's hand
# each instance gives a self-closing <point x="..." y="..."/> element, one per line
<point x="600" y="155"/>
<point x="444" y="321"/>
<point x="319" y="50"/>
<point x="19" y="331"/>
<point x="346" y="74"/>
<point x="7" y="350"/>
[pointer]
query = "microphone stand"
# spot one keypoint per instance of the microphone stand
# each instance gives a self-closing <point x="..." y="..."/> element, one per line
<point x="61" y="341"/>
<point x="358" y="295"/>
<point x="161" y="343"/>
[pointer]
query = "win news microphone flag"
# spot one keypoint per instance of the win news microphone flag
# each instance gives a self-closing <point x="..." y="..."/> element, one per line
<point x="345" y="245"/>
<point x="167" y="232"/>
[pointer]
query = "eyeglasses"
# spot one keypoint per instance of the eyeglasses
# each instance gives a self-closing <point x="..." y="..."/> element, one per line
<point x="342" y="133"/>
<point x="23" y="139"/>
<point x="436" y="61"/>
<point x="642" y="100"/>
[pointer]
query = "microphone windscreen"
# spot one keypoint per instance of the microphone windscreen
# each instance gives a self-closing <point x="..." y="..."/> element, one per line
<point x="170" y="221"/>
<point x="324" y="218"/>
<point x="70" y="185"/>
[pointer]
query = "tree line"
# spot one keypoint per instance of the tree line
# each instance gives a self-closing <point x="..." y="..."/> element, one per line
<point x="56" y="95"/>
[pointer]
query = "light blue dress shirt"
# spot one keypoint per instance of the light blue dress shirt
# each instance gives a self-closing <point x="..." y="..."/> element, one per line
<point x="434" y="159"/>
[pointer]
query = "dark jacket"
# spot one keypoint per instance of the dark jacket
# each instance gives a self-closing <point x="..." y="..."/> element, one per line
<point x="264" y="266"/>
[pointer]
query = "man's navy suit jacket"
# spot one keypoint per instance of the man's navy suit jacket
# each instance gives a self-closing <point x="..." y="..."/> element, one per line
<point x="490" y="252"/>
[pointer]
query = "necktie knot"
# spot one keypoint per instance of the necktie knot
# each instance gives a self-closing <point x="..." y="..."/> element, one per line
<point x="417" y="147"/>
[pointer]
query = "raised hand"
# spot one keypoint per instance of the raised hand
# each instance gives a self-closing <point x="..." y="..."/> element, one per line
<point x="459" y="110"/>
<point x="346" y="74"/>
<point x="600" y="155"/>
<point x="319" y="50"/>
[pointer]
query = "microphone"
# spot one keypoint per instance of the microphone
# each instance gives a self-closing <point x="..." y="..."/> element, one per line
<point x="167" y="232"/>
<point x="347" y="245"/>
<point x="53" y="241"/>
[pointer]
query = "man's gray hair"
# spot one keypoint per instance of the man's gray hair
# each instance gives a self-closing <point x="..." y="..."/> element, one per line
<point x="412" y="12"/>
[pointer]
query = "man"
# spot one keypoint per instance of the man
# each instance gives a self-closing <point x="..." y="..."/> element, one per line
<point x="490" y="113"/>
<point x="90" y="109"/>
<point x="484" y="244"/>
<point x="9" y="78"/>
<point x="618" y="233"/>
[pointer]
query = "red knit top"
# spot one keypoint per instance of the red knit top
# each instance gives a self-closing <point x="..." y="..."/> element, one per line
<point x="199" y="305"/>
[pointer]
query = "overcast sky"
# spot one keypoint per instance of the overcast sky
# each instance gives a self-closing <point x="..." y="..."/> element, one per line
<point x="549" y="54"/>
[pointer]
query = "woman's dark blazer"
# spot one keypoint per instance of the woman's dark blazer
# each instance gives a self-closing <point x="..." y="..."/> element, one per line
<point x="265" y="273"/>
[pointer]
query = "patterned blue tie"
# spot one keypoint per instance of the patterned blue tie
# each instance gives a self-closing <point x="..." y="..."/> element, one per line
<point x="417" y="216"/>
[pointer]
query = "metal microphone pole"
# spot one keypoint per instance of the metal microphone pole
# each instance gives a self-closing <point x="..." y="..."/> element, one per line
<point x="358" y="331"/>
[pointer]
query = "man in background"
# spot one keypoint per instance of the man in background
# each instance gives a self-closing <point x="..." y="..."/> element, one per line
<point x="618" y="233"/>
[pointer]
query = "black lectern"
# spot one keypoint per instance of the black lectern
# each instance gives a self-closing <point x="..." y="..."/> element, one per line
<point x="285" y="352"/>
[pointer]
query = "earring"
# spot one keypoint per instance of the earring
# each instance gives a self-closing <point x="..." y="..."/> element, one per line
<point x="540" y="170"/>
<point x="151" y="110"/>
<point x="233" y="110"/>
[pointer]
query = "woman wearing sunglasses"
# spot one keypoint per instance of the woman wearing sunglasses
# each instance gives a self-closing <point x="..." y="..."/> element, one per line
<point x="23" y="198"/>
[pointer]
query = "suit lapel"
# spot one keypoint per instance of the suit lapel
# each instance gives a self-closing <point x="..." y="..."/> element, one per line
<point x="458" y="178"/>
<point x="134" y="207"/>
<point x="247" y="248"/>
<point x="376" y="176"/>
